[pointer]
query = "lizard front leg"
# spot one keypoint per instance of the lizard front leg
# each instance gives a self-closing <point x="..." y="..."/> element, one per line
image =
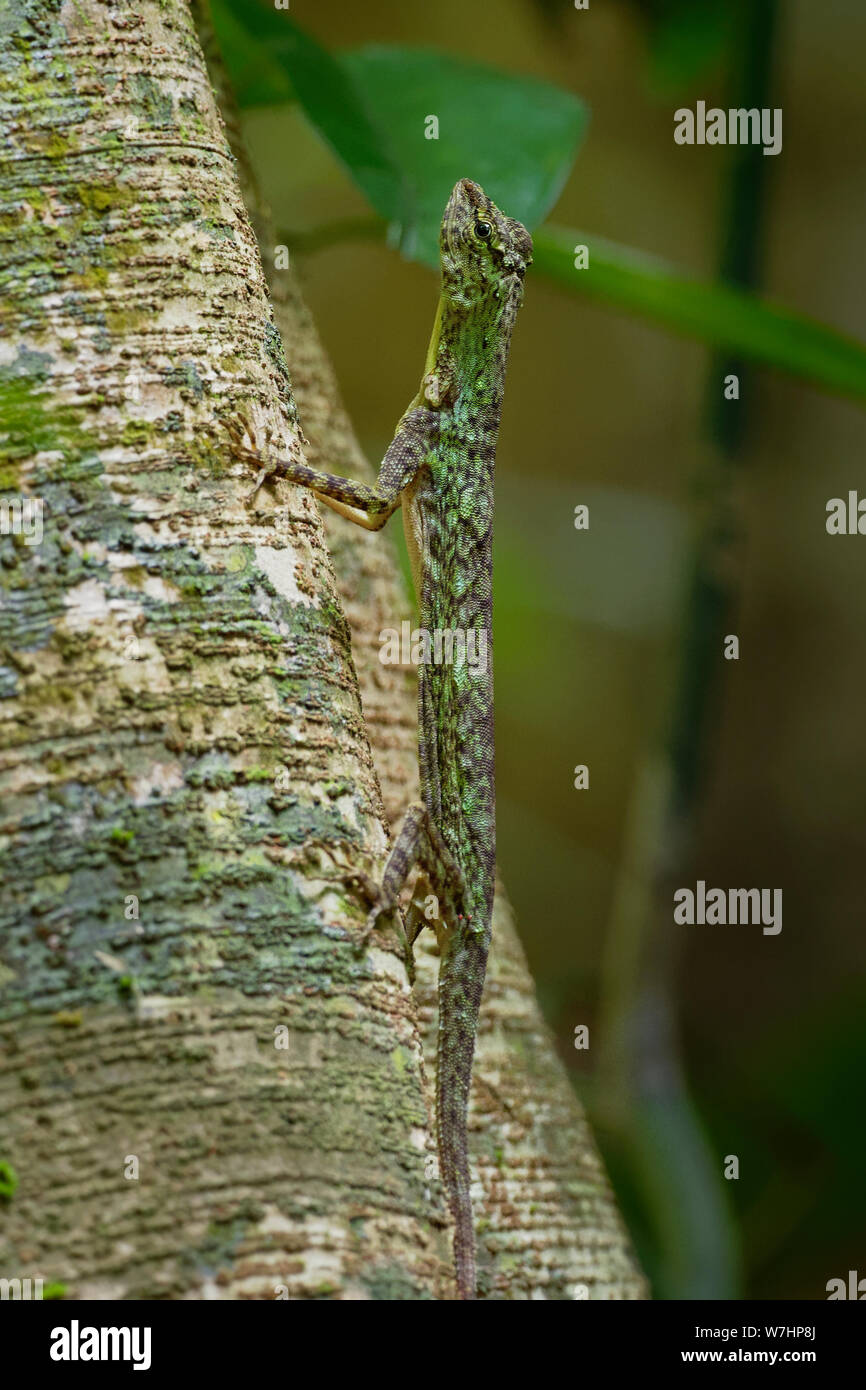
<point x="366" y="505"/>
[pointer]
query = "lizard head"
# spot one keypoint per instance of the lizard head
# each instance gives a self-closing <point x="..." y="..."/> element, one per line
<point x="483" y="251"/>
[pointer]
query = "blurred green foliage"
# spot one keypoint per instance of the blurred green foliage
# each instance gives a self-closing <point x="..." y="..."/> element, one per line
<point x="685" y="39"/>
<point x="370" y="106"/>
<point x="717" y="313"/>
<point x="480" y="112"/>
<point x="518" y="138"/>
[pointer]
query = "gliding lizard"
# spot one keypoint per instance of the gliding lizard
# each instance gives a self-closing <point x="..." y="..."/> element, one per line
<point x="440" y="467"/>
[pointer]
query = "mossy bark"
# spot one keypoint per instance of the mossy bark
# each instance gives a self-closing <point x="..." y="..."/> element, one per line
<point x="206" y="1089"/>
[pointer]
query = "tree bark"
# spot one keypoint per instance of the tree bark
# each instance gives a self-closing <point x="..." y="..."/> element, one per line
<point x="207" y="1091"/>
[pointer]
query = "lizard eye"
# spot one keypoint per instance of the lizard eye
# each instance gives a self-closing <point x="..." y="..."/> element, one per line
<point x="483" y="231"/>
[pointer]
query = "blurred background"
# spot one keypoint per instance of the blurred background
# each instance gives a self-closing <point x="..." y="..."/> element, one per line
<point x="707" y="517"/>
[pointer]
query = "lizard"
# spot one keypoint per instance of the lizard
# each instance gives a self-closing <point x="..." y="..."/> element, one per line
<point x="440" y="468"/>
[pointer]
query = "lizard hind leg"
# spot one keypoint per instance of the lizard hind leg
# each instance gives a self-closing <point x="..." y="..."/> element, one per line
<point x="419" y="842"/>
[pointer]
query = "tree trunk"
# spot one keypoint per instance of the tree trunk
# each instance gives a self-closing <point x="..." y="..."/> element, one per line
<point x="207" y="1090"/>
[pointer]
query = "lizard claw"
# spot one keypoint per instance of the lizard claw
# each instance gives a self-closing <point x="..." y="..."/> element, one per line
<point x="262" y="475"/>
<point x="377" y="912"/>
<point x="370" y="926"/>
<point x="363" y="939"/>
<point x="366" y="884"/>
<point x="237" y="433"/>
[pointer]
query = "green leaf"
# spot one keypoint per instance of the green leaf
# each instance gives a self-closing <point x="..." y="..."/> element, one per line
<point x="331" y="100"/>
<point x="716" y="313"/>
<point x="515" y="136"/>
<point x="518" y="138"/>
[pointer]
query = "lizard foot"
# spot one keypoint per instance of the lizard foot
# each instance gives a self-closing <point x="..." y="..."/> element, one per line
<point x="366" y="885"/>
<point x="374" y="919"/>
<point x="263" y="475"/>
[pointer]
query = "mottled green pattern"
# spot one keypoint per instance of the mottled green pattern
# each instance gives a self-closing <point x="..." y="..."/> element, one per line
<point x="482" y="291"/>
<point x="440" y="467"/>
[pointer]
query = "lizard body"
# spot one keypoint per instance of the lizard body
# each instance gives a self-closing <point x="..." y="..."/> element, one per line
<point x="440" y="467"/>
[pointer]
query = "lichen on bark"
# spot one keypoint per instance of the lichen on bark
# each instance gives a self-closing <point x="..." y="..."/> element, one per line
<point x="185" y="772"/>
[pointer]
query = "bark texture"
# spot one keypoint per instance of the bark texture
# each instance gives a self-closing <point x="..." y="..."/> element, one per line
<point x="181" y="732"/>
<point x="206" y="1090"/>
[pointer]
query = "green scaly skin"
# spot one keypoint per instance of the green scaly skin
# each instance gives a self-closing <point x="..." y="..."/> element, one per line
<point x="440" y="467"/>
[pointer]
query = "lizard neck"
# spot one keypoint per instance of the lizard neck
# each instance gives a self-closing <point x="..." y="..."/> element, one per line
<point x="471" y="338"/>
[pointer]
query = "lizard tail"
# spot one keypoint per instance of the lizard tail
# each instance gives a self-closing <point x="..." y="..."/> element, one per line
<point x="461" y="980"/>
